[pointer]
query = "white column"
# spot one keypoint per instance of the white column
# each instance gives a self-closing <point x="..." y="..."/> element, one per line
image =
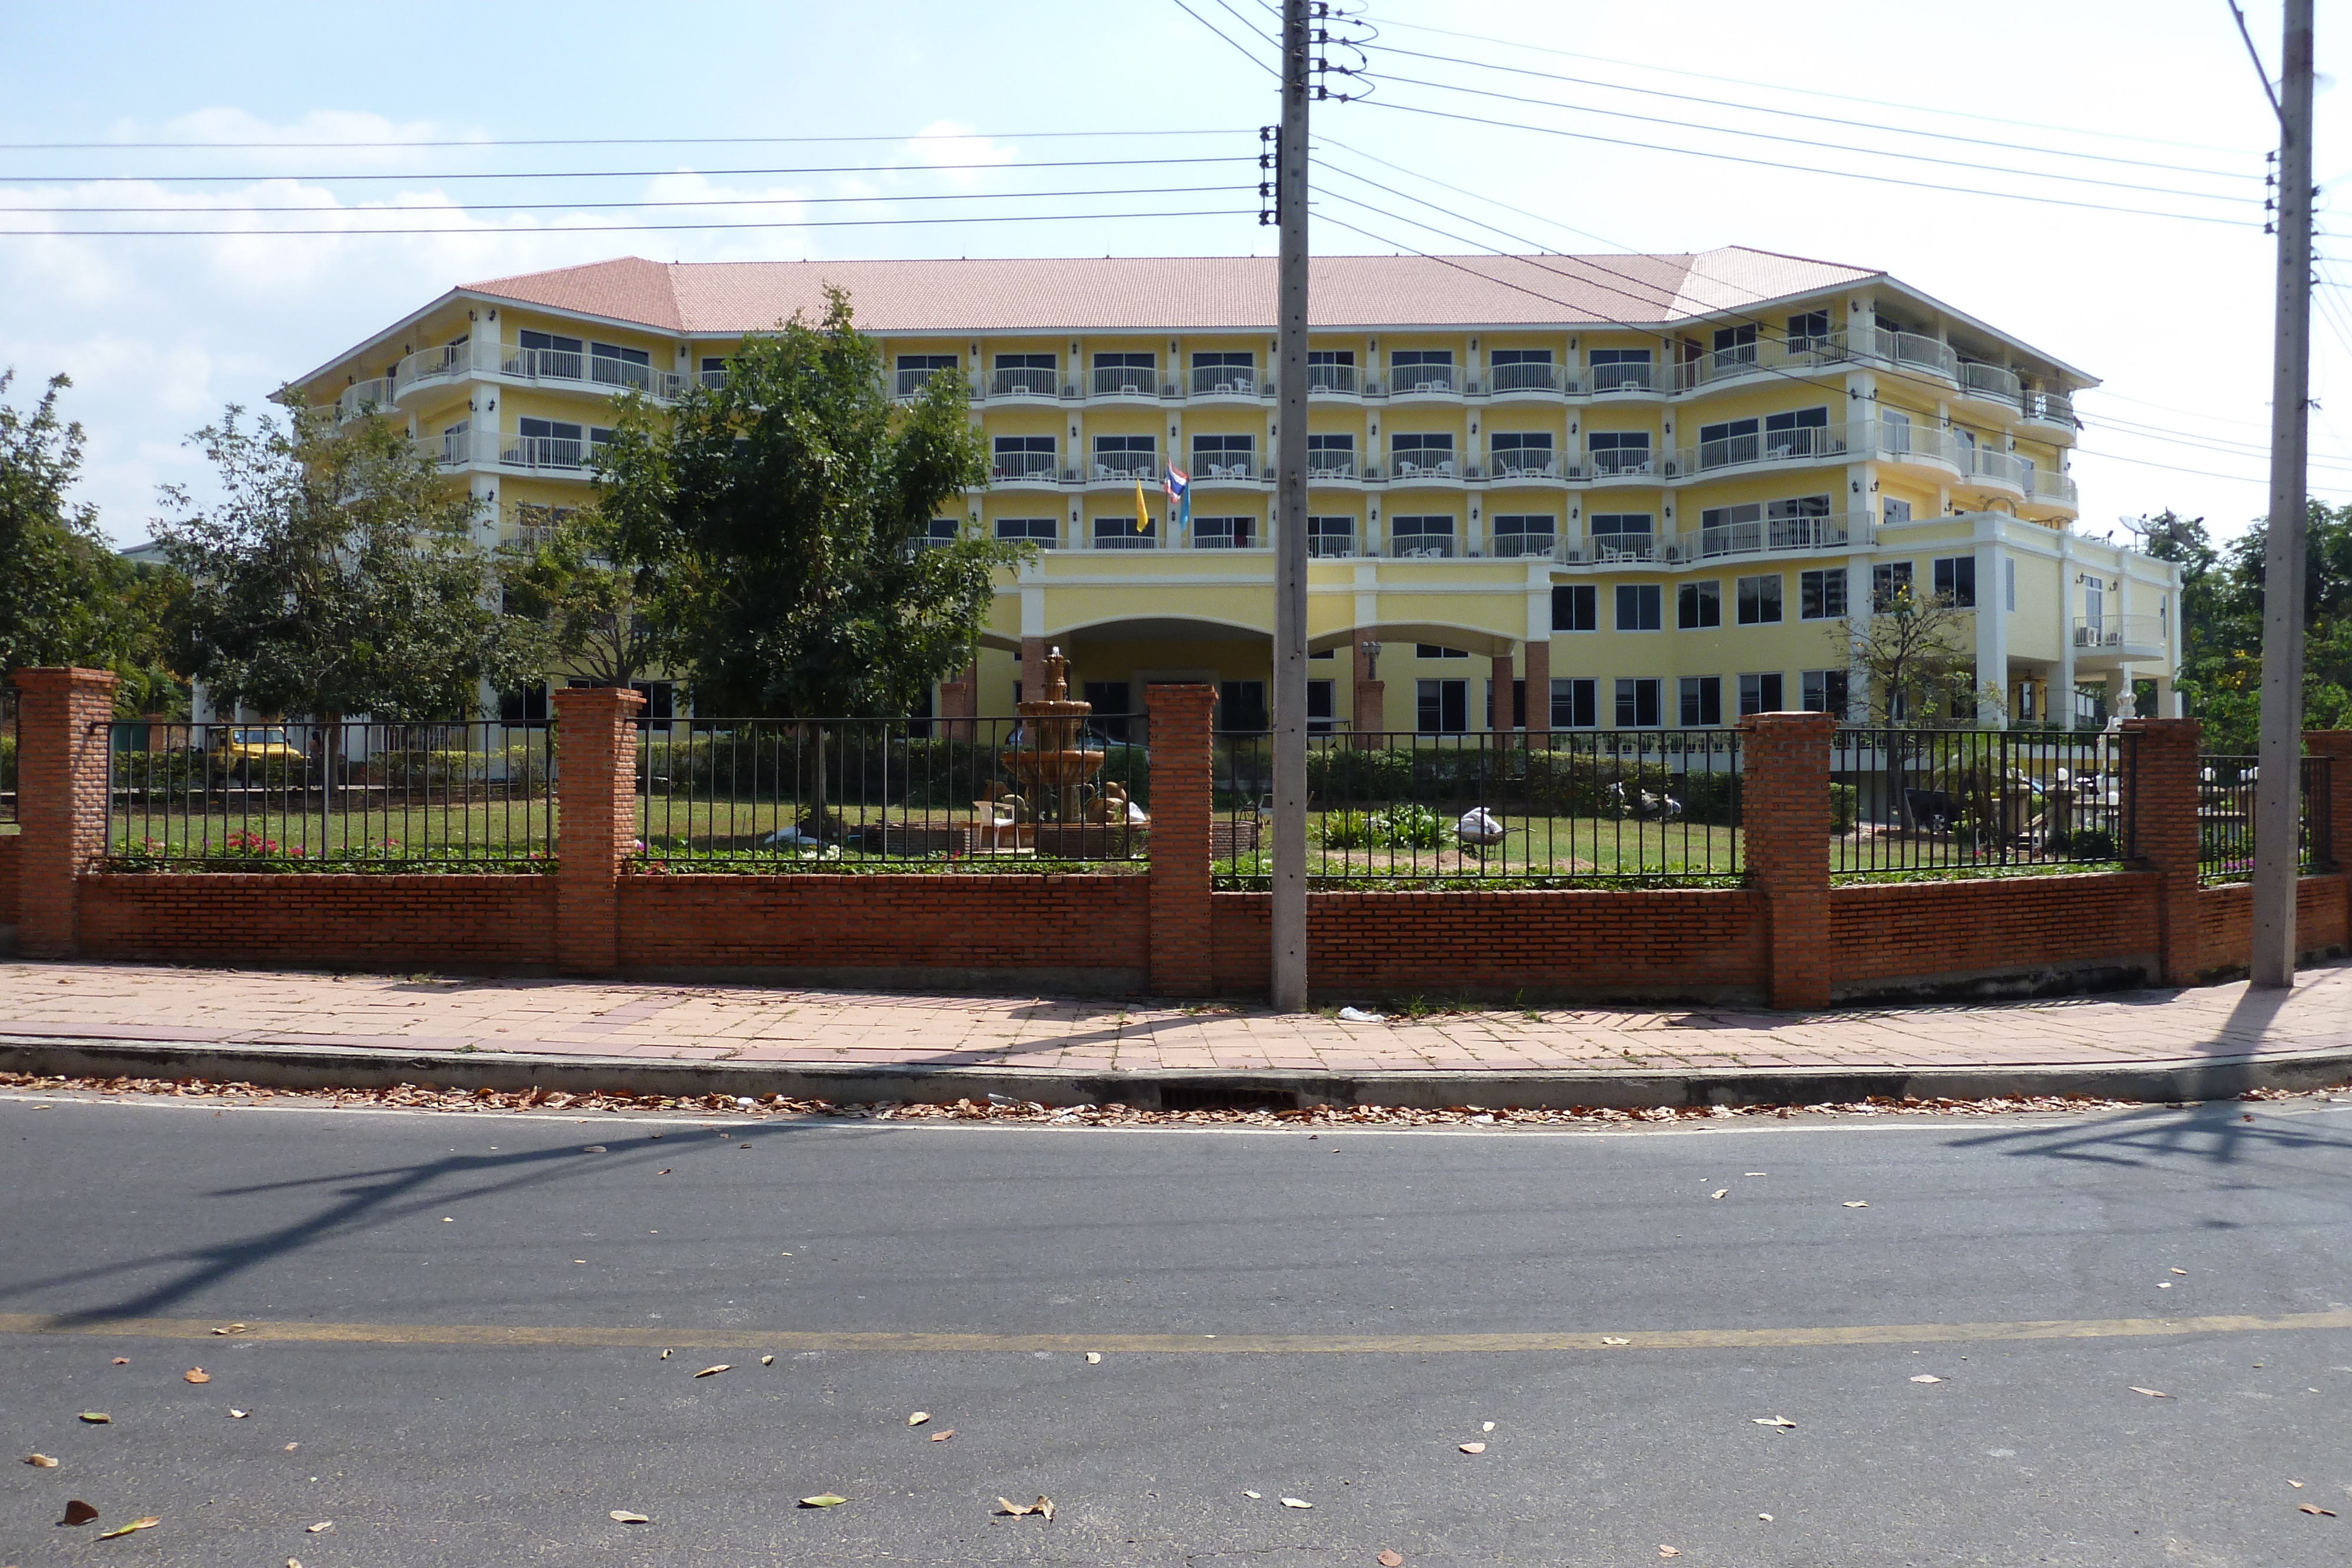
<point x="1992" y="629"/>
<point x="2070" y="593"/>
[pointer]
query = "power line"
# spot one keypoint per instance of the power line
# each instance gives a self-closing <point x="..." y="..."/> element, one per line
<point x="1231" y="41"/>
<point x="719" y="202"/>
<point x="620" y="228"/>
<point x="1250" y="27"/>
<point x="1808" y="169"/>
<point x="592" y="141"/>
<point x="1522" y="45"/>
<point x="1808" y="141"/>
<point x="251" y="178"/>
<point x="1818" y="118"/>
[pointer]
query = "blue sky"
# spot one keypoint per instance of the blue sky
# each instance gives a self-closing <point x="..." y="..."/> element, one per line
<point x="159" y="332"/>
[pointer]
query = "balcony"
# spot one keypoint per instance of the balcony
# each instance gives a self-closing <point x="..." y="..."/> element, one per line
<point x="450" y="449"/>
<point x="1639" y="377"/>
<point x="1421" y="547"/>
<point x="627" y="375"/>
<point x="1121" y="542"/>
<point x="1423" y="380"/>
<point x="1238" y="469"/>
<point x="1988" y="467"/>
<point x="448" y="362"/>
<point x="907" y="382"/>
<point x="1524" y="466"/>
<point x="1414" y="470"/>
<point x="1523" y="546"/>
<point x="1627" y="463"/>
<point x="1227" y="381"/>
<point x="2120" y="637"/>
<point x="2055" y="490"/>
<point x="1990" y="384"/>
<point x="1323" y="467"/>
<point x="537" y="452"/>
<point x="1127" y="381"/>
<point x="1331" y="381"/>
<point x="2050" y="407"/>
<point x="1908" y="349"/>
<point x="1025" y="382"/>
<point x="1767" y="535"/>
<point x="363" y="398"/>
<point x="1914" y="445"/>
<point x="1615" y="549"/>
<point x="712" y="381"/>
<point x="1120" y="466"/>
<point x="1506" y="380"/>
<point x="1808" y="443"/>
<point x="1025" y="468"/>
<point x="1331" y="547"/>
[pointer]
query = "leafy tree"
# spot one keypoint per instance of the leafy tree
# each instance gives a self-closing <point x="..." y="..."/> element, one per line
<point x="560" y="574"/>
<point x="1915" y="656"/>
<point x="65" y="597"/>
<point x="776" y="526"/>
<point x="338" y="574"/>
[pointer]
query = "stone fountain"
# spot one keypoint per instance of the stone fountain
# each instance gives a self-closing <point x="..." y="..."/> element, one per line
<point x="1058" y="808"/>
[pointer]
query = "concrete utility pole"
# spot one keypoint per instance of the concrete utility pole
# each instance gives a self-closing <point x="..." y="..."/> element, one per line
<point x="2277" y="793"/>
<point x="1289" y="823"/>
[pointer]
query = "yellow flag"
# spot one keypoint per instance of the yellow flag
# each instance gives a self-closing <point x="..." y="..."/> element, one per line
<point x="1142" y="517"/>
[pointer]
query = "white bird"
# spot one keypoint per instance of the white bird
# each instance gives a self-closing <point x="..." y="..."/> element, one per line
<point x="1479" y="826"/>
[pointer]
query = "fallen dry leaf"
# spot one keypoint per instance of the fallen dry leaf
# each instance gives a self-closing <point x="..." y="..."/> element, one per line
<point x="1718" y="1192"/>
<point x="293" y="1562"/>
<point x="79" y="1513"/>
<point x="943" y="1436"/>
<point x="150" y="1522"/>
<point x="767" y="1361"/>
<point x="2180" y="1270"/>
<point x="122" y="1361"/>
<point x="321" y="1528"/>
<point x="1668" y="1551"/>
<point x="918" y="1417"/>
<point x="96" y="1417"/>
<point x="234" y="1413"/>
<point x="1253" y="1494"/>
<point x="824" y="1500"/>
<point x="197" y="1375"/>
<point x="1780" y="1421"/>
<point x="1765" y="1517"/>
<point x="1857" y="1206"/>
<point x="2315" y="1507"/>
<point x="43" y="1461"/>
<point x="1006" y="1505"/>
<point x="2297" y="1485"/>
<point x="1926" y="1377"/>
<point x="1607" y="1340"/>
<point x="1044" y="1505"/>
<point x="1471" y="1447"/>
<point x="2151" y="1393"/>
<point x="1485" y="1427"/>
<point x="1391" y="1560"/>
<point x="1296" y="1502"/>
<point x="714" y="1371"/>
<point x="665" y="1355"/>
<point x="1093" y="1358"/>
<point x="664" y="1171"/>
<point x="291" y="1447"/>
<point x="233" y="1328"/>
<point x="624" y="1516"/>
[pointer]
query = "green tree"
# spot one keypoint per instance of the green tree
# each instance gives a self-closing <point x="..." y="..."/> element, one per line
<point x="778" y="523"/>
<point x="1915" y="656"/>
<point x="338" y="573"/>
<point x="562" y="574"/>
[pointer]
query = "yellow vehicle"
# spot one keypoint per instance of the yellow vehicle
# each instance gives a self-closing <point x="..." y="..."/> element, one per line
<point x="247" y="750"/>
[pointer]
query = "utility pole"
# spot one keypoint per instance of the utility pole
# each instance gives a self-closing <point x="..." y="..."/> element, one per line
<point x="2278" y="851"/>
<point x="1289" y="823"/>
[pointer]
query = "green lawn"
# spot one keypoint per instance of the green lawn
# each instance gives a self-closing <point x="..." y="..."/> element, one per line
<point x="295" y="832"/>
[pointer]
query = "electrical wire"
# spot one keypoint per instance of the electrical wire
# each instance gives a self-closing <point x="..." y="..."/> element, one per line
<point x="718" y="202"/>
<point x="617" y="173"/>
<point x="1233" y="43"/>
<point x="1248" y="25"/>
<point x="590" y="141"/>
<point x="619" y="228"/>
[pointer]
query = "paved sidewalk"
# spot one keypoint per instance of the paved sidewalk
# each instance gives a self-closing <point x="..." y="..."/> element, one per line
<point x="853" y="1029"/>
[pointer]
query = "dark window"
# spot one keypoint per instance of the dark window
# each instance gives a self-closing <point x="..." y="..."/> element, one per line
<point x="1045" y="531"/>
<point x="1702" y="700"/>
<point x="1433" y="651"/>
<point x="1698" y="605"/>
<point x="1331" y="536"/>
<point x="1524" y="534"/>
<point x="1423" y="536"/>
<point x="615" y="351"/>
<point x="1637" y="704"/>
<point x="1760" y="599"/>
<point x="1825" y="692"/>
<point x="1639" y="607"/>
<point x="661" y="701"/>
<point x="1518" y="705"/>
<point x="1225" y="457"/>
<point x="1955" y="581"/>
<point x="1575" y="703"/>
<point x="1576" y="607"/>
<point x="1240" y="704"/>
<point x="1321" y="718"/>
<point x="1111" y="705"/>
<point x="1617" y="525"/>
<point x="1442" y="708"/>
<point x="1224" y="533"/>
<point x="1760" y="693"/>
<point x="548" y="342"/>
<point x="1026" y="361"/>
<point x="1223" y="361"/>
<point x="528" y="705"/>
<point x="1735" y="345"/>
<point x="1820" y="595"/>
<point x="1809" y="329"/>
<point x="1127" y="361"/>
<point x="1888" y="581"/>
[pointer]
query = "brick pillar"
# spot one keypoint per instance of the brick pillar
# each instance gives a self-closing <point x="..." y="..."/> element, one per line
<point x="2336" y="812"/>
<point x="62" y="800"/>
<point x="596" y="822"/>
<point x="959" y="699"/>
<point x="2159" y="806"/>
<point x="1033" y="669"/>
<point x="1540" y="685"/>
<point x="1784" y="815"/>
<point x="1183" y="777"/>
<point x="1500" y="664"/>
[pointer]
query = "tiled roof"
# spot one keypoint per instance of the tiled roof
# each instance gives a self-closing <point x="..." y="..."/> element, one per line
<point x="1198" y="293"/>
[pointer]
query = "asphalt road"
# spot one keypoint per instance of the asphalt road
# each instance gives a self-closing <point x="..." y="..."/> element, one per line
<point x="1347" y="1279"/>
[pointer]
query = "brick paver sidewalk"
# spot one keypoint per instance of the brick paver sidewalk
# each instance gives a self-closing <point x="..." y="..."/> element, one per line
<point x="705" y="1023"/>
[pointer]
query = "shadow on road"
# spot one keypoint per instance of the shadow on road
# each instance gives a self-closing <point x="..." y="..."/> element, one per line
<point x="2220" y="1132"/>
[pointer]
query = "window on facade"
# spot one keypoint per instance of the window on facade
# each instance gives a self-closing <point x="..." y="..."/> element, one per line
<point x="1043" y="531"/>
<point x="1025" y="456"/>
<point x="1040" y="375"/>
<point x="1575" y="703"/>
<point x="1893" y="511"/>
<point x="1240" y="704"/>
<point x="1438" y="651"/>
<point x="1442" y="708"/>
<point x="1955" y="581"/>
<point x="1576" y="607"/>
<point x="528" y="705"/>
<point x="1760" y="599"/>
<point x="1731" y="441"/>
<point x="1889" y="581"/>
<point x="1619" y="451"/>
<point x="1422" y="454"/>
<point x="1120" y="532"/>
<point x="1422" y="370"/>
<point x="1702" y="700"/>
<point x="1522" y="369"/>
<point x="1224" y="533"/>
<point x="1522" y="534"/>
<point x="615" y="366"/>
<point x="1330" y="456"/>
<point x="1126" y="373"/>
<point x="1225" y="457"/>
<point x="1802" y="433"/>
<point x="1735" y="345"/>
<point x="914" y="371"/>
<point x="1825" y="690"/>
<point x="1522" y="454"/>
<point x="1518" y="705"/>
<point x="1614" y="369"/>
<point x="1797" y="507"/>
<point x="600" y="436"/>
<point x="1322" y="705"/>
<point x="939" y="532"/>
<point x="1223" y="359"/>
<point x="1331" y="370"/>
<point x="1637" y="703"/>
<point x="1627" y="527"/>
<point x="1126" y="456"/>
<point x="1808" y="331"/>
<point x="1640" y="606"/>
<point x="1698" y="605"/>
<point x="546" y="354"/>
<point x="1760" y="693"/>
<point x="1112" y="701"/>
<point x="714" y="369"/>
<point x="549" y="444"/>
<point x="1421" y="536"/>
<point x="1820" y="595"/>
<point x="1224" y="371"/>
<point x="1893" y="432"/>
<point x="1331" y="536"/>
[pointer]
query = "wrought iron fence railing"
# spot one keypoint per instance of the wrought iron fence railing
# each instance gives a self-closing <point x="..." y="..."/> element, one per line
<point x="1562" y="809"/>
<point x="898" y="795"/>
<point x="1960" y="800"/>
<point x="7" y="752"/>
<point x="460" y="795"/>
<point x="2225" y="817"/>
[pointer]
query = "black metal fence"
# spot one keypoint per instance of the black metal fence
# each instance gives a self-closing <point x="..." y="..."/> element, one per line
<point x="1946" y="802"/>
<point x="468" y="796"/>
<point x="900" y="794"/>
<point x="1563" y="808"/>
<point x="2225" y="817"/>
<point x="7" y="752"/>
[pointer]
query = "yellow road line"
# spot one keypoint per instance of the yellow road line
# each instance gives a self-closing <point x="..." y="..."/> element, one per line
<point x="519" y="1336"/>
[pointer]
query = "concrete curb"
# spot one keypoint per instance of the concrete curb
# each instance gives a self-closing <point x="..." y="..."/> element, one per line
<point x="321" y="1067"/>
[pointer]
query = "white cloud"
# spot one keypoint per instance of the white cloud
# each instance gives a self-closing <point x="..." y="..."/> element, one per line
<point x="947" y="142"/>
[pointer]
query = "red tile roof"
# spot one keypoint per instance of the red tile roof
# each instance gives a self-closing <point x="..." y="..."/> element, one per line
<point x="1197" y="292"/>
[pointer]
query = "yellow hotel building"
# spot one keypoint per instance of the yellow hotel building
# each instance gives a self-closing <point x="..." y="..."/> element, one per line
<point x="1546" y="492"/>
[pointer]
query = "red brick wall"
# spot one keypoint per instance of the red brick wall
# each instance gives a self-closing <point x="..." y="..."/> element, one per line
<point x="1918" y="932"/>
<point x="8" y="842"/>
<point x="487" y="922"/>
<point x="1183" y="767"/>
<point x="2225" y="923"/>
<point x="1702" y="943"/>
<point x="1090" y="931"/>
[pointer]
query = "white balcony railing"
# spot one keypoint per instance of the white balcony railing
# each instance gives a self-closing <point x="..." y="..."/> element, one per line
<point x="1623" y="378"/>
<point x="2057" y="489"/>
<point x="1406" y="380"/>
<point x="2005" y="469"/>
<point x="1518" y="546"/>
<point x="364" y="397"/>
<point x="1331" y="379"/>
<point x="1622" y="462"/>
<point x="449" y="362"/>
<point x="1125" y="466"/>
<point x="1768" y="534"/>
<point x="558" y="451"/>
<point x="1331" y="547"/>
<point x="2120" y="632"/>
<point x="1233" y="468"/>
<point x="544" y="364"/>
<point x="1524" y="463"/>
<point x="1807" y="444"/>
<point x="1911" y="349"/>
<point x="2050" y="407"/>
<point x="1609" y="549"/>
<point x="1524" y="378"/>
<point x="1992" y="382"/>
<point x="1229" y="381"/>
<point x="1407" y="468"/>
<point x="452" y="448"/>
<point x="1126" y="381"/>
<point x="1035" y="466"/>
<point x="627" y="373"/>
<point x="1330" y="466"/>
<point x="1024" y="380"/>
<point x="1421" y="546"/>
<point x="1906" y="442"/>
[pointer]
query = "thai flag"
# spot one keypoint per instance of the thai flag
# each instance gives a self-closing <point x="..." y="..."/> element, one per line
<point x="1179" y="485"/>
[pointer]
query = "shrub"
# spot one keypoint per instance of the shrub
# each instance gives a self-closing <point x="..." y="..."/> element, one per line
<point x="1338" y="774"/>
<point x="2093" y="845"/>
<point x="1711" y="798"/>
<point x="1413" y="828"/>
<point x="1845" y="807"/>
